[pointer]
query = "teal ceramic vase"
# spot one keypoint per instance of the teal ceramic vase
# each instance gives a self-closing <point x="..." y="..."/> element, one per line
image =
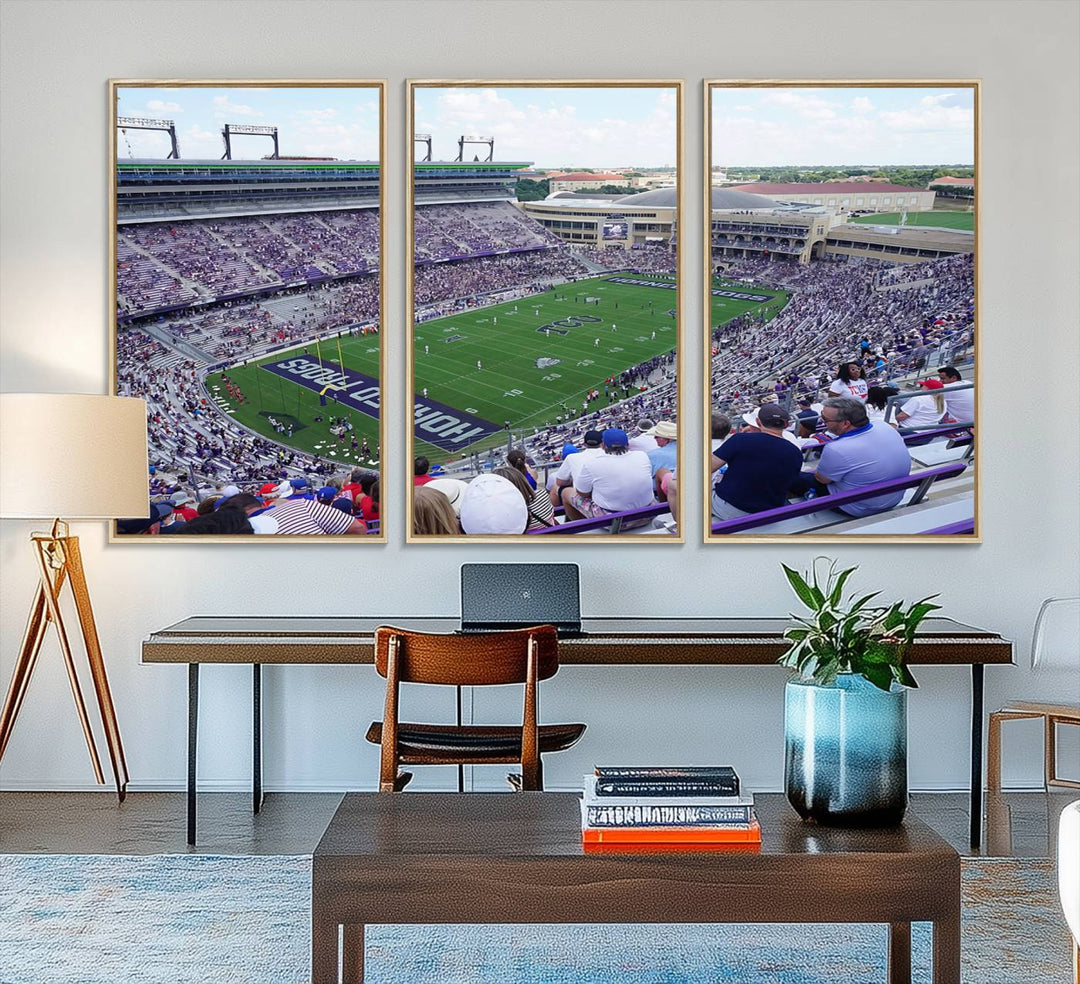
<point x="846" y="752"/>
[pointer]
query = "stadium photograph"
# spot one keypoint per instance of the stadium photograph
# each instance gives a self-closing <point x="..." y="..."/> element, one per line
<point x="840" y="251"/>
<point x="544" y="357"/>
<point x="247" y="244"/>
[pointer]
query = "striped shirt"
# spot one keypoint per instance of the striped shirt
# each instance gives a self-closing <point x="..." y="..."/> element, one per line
<point x="307" y="516"/>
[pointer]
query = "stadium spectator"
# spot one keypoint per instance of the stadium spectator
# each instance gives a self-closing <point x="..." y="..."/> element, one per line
<point x="876" y="397"/>
<point x="181" y="503"/>
<point x="760" y="467"/>
<point x="849" y="382"/>
<point x="432" y="513"/>
<point x="643" y="438"/>
<point x="617" y="480"/>
<point x="150" y="524"/>
<point x="493" y="505"/>
<point x="516" y="458"/>
<point x="665" y="454"/>
<point x="306" y="516"/>
<point x="752" y="422"/>
<point x="231" y="516"/>
<point x="421" y="467"/>
<point x="537" y="501"/>
<point x="862" y="453"/>
<point x="719" y="429"/>
<point x="959" y="404"/>
<point x="452" y="488"/>
<point x="571" y="467"/>
<point x="923" y="410"/>
<point x="368" y="506"/>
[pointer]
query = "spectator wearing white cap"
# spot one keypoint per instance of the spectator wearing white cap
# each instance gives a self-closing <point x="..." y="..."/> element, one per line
<point x="492" y="505"/>
<point x="619" y="480"/>
<point x="452" y="488"/>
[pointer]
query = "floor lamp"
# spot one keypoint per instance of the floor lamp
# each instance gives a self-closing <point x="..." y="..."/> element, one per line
<point x="75" y="457"/>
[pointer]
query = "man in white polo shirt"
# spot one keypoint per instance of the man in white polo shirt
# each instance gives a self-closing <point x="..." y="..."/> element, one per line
<point x="861" y="453"/>
<point x="617" y="480"/>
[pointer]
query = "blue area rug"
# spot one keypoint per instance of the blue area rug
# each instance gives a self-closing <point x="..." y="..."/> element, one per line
<point x="246" y="920"/>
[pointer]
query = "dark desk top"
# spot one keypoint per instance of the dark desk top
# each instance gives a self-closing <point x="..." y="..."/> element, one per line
<point x="615" y="640"/>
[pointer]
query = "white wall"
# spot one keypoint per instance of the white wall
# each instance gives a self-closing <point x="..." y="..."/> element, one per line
<point x="54" y="331"/>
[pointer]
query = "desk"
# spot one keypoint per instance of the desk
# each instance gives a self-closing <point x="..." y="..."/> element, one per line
<point x="517" y="858"/>
<point x="604" y="641"/>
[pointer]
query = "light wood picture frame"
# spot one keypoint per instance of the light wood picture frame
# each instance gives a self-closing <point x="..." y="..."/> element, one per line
<point x="841" y="252"/>
<point x="499" y="271"/>
<point x="247" y="230"/>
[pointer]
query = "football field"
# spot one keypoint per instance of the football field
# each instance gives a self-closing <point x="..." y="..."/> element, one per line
<point x="528" y="362"/>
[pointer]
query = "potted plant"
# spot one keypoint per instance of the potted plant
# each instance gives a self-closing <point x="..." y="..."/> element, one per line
<point x="845" y="715"/>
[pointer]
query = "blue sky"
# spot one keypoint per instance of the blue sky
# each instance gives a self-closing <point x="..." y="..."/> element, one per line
<point x="796" y="126"/>
<point x="552" y="127"/>
<point x="311" y="122"/>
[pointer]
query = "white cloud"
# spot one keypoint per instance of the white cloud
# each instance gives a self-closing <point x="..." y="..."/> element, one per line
<point x="862" y="104"/>
<point x="160" y="106"/>
<point x="931" y="116"/>
<point x="316" y="114"/>
<point x="807" y="105"/>
<point x="225" y="107"/>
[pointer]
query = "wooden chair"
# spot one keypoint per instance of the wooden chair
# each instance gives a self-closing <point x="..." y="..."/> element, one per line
<point x="1055" y="644"/>
<point x="485" y="659"/>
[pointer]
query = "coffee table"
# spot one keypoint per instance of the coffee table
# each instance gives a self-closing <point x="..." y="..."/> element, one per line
<point x="428" y="858"/>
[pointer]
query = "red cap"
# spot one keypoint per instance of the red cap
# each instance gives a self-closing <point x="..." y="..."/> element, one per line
<point x="268" y="488"/>
<point x="931" y="384"/>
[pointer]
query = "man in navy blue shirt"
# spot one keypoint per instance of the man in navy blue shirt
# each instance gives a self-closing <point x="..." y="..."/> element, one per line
<point x="761" y="467"/>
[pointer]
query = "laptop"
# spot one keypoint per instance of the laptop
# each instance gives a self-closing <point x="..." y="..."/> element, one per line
<point x="496" y="597"/>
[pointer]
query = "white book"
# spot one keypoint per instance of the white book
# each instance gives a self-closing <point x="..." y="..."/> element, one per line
<point x="591" y="799"/>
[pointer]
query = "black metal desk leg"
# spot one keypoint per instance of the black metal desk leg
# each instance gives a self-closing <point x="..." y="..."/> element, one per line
<point x="193" y="746"/>
<point x="461" y="767"/>
<point x="256" y="738"/>
<point x="976" y="753"/>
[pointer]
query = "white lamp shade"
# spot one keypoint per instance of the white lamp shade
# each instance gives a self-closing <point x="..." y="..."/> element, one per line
<point x="72" y="456"/>
<point x="1069" y="866"/>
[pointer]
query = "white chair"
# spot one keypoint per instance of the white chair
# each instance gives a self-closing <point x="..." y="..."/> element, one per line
<point x="1069" y="875"/>
<point x="1055" y="645"/>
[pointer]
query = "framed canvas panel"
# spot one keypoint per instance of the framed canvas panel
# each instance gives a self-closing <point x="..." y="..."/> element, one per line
<point x="543" y="365"/>
<point x="246" y="244"/>
<point x="841" y="289"/>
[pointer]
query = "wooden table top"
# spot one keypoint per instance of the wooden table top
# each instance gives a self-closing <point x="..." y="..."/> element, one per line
<point x="389" y="826"/>
<point x="615" y="640"/>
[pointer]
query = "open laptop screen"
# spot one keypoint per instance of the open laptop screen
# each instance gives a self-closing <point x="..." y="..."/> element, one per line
<point x="507" y="596"/>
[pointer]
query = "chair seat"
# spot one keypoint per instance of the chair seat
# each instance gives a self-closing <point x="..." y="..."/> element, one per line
<point x="473" y="743"/>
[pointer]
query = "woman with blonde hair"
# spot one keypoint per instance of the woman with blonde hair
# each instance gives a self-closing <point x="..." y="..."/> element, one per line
<point x="432" y="514"/>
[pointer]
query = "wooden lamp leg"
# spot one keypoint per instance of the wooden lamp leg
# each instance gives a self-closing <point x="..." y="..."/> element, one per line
<point x="58" y="559"/>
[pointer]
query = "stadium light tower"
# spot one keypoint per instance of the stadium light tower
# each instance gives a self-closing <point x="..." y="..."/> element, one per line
<point x="125" y="123"/>
<point x="424" y="138"/>
<point x="229" y="129"/>
<point x="489" y="142"/>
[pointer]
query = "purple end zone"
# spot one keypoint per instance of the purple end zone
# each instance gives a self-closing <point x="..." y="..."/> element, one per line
<point x="435" y="423"/>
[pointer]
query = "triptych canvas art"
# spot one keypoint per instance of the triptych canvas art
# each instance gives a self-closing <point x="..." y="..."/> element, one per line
<point x="547" y="226"/>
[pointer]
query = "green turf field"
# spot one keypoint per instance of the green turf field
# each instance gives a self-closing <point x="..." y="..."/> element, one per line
<point x="964" y="221"/>
<point x="510" y="385"/>
<point x="267" y="395"/>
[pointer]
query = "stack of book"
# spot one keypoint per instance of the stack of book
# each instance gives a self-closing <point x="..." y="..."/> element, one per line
<point x="677" y="806"/>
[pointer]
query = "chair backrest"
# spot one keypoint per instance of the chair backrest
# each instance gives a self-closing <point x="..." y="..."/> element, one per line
<point x="1055" y="642"/>
<point x="467" y="660"/>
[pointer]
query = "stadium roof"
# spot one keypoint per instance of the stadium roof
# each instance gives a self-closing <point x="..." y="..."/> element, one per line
<point x="822" y="188"/>
<point x="722" y="198"/>
<point x="586" y="176"/>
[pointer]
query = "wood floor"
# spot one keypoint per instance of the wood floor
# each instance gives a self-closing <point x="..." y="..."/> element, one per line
<point x="1022" y="824"/>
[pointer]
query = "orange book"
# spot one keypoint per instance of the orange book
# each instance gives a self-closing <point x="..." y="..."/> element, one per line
<point x="740" y="834"/>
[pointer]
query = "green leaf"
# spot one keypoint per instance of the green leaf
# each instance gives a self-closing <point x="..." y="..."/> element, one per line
<point x="800" y="587"/>
<point x="903" y="675"/>
<point x="880" y="676"/>
<point x="838" y="591"/>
